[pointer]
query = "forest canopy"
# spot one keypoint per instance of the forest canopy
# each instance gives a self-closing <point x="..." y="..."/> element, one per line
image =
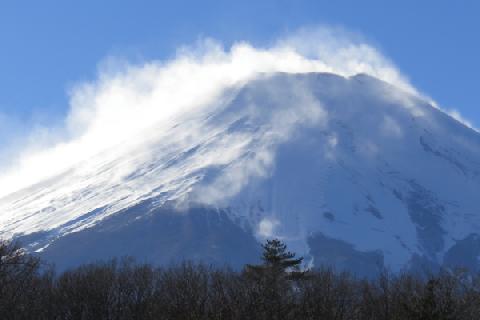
<point x="277" y="288"/>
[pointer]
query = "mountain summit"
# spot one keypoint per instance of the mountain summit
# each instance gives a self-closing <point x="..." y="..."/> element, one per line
<point x="350" y="172"/>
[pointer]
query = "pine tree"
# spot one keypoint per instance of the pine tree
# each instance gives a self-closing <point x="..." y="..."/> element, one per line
<point x="277" y="261"/>
<point x="274" y="280"/>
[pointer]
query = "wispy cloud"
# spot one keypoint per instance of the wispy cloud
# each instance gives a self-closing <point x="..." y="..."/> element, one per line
<point x="266" y="227"/>
<point x="455" y="114"/>
<point x="127" y="99"/>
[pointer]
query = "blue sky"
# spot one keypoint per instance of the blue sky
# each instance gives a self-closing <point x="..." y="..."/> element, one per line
<point x="48" y="46"/>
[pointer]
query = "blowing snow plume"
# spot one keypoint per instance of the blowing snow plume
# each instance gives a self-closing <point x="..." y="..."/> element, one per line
<point x="128" y="99"/>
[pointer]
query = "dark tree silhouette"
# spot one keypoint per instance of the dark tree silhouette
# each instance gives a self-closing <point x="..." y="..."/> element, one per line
<point x="276" y="289"/>
<point x="274" y="280"/>
<point x="18" y="277"/>
<point x="277" y="262"/>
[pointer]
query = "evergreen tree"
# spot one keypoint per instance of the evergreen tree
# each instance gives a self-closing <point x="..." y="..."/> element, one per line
<point x="274" y="280"/>
<point x="277" y="261"/>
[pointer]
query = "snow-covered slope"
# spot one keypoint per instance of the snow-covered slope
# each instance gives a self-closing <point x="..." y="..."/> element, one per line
<point x="349" y="171"/>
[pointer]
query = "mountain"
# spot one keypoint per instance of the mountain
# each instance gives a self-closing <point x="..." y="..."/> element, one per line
<point x="350" y="172"/>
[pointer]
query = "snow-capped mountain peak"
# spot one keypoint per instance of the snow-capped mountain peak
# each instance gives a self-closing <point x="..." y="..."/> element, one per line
<point x="349" y="171"/>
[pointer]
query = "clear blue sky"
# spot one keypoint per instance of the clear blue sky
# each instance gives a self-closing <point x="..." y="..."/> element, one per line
<point x="46" y="46"/>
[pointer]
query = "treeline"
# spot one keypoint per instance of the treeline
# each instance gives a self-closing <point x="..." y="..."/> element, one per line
<point x="275" y="289"/>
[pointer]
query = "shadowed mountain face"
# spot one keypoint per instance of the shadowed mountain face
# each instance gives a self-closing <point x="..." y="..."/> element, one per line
<point x="162" y="237"/>
<point x="350" y="172"/>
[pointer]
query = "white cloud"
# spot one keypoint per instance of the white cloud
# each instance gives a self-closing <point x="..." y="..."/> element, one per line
<point x="455" y="114"/>
<point x="275" y="115"/>
<point x="126" y="99"/>
<point x="390" y="127"/>
<point x="267" y="226"/>
<point x="345" y="53"/>
<point x="333" y="141"/>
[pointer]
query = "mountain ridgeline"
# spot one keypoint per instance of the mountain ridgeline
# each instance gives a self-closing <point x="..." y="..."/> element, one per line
<point x="352" y="173"/>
